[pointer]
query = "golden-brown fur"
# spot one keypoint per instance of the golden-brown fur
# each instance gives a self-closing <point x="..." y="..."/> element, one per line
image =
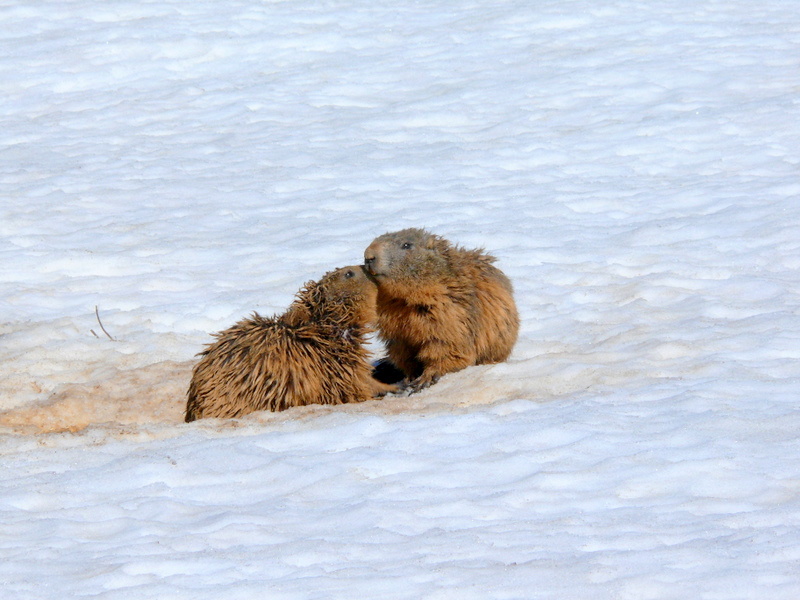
<point x="441" y="308"/>
<point x="312" y="354"/>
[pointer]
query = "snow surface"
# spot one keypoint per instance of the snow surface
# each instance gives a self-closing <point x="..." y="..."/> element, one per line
<point x="633" y="166"/>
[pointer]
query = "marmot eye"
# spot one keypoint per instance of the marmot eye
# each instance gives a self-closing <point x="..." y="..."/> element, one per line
<point x="349" y="274"/>
<point x="407" y="246"/>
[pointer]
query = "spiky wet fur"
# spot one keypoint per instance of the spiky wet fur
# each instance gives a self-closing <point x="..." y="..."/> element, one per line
<point x="441" y="307"/>
<point x="312" y="354"/>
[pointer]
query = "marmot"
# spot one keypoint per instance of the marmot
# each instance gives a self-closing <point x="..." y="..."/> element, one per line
<point x="441" y="308"/>
<point x="312" y="354"/>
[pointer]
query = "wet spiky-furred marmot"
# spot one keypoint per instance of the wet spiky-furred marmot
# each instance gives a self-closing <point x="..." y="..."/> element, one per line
<point x="312" y="354"/>
<point x="441" y="308"/>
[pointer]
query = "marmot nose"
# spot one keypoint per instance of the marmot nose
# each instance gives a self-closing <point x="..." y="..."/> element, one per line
<point x="370" y="261"/>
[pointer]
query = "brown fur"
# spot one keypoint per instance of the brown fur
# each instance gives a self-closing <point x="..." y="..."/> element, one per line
<point x="312" y="354"/>
<point x="441" y="308"/>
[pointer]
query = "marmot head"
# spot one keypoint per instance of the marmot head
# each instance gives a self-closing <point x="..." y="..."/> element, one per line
<point x="409" y="254"/>
<point x="345" y="297"/>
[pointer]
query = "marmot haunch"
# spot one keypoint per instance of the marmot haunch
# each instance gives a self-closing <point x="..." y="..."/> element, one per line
<point x="441" y="307"/>
<point x="312" y="354"/>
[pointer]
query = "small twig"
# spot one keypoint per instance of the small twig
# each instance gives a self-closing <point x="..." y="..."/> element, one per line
<point x="97" y="314"/>
<point x="93" y="333"/>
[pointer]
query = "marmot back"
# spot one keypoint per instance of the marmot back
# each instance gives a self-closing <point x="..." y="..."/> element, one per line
<point x="441" y="308"/>
<point x="312" y="354"/>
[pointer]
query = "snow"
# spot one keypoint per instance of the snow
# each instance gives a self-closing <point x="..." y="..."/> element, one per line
<point x="633" y="166"/>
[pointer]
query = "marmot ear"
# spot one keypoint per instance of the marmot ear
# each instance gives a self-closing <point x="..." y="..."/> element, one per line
<point x="436" y="242"/>
<point x="316" y="294"/>
<point x="306" y="298"/>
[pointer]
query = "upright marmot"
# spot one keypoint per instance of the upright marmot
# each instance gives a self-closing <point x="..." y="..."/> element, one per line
<point x="312" y="354"/>
<point x="441" y="308"/>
